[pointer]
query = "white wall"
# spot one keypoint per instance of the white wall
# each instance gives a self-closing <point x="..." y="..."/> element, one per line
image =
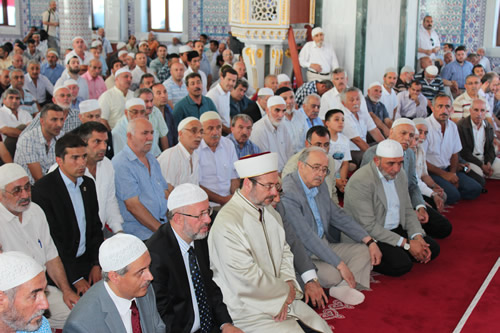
<point x="411" y="33"/>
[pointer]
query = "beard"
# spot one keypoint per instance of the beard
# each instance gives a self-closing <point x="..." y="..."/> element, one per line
<point x="14" y="320"/>
<point x="74" y="70"/>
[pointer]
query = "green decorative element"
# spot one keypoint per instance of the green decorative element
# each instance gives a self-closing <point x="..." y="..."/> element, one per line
<point x="318" y="14"/>
<point x="403" y="26"/>
<point x="360" y="45"/>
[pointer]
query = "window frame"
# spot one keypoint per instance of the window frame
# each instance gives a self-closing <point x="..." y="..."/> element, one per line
<point x="167" y="25"/>
<point x="6" y="16"/>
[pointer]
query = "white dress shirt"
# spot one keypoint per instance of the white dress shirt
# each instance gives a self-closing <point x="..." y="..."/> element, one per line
<point x="479" y="140"/>
<point x="427" y="42"/>
<point x="176" y="167"/>
<point x="390" y="101"/>
<point x="330" y="100"/>
<point x="8" y="119"/>
<point x="297" y="129"/>
<point x="354" y="127"/>
<point x="123" y="308"/>
<point x="43" y="86"/>
<point x="137" y="73"/>
<point x="112" y="104"/>
<point x="439" y="148"/>
<point x="221" y="100"/>
<point x="324" y="56"/>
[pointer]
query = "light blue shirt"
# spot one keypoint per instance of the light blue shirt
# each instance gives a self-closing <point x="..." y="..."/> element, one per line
<point x="456" y="72"/>
<point x="249" y="148"/>
<point x="175" y="93"/>
<point x="310" y="195"/>
<point x="315" y="122"/>
<point x="78" y="207"/>
<point x="53" y="74"/>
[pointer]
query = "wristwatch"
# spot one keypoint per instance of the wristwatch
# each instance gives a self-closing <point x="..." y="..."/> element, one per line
<point x="312" y="280"/>
<point x="370" y="242"/>
<point x="407" y="246"/>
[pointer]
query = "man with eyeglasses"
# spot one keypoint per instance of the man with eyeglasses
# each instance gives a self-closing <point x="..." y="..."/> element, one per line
<point x="428" y="39"/>
<point x="134" y="108"/>
<point x="25" y="229"/>
<point x="344" y="268"/>
<point x="187" y="298"/>
<point x="94" y="80"/>
<point x="251" y="260"/>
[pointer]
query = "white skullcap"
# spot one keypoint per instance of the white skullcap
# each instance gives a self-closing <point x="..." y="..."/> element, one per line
<point x="389" y="148"/>
<point x="70" y="82"/>
<point x="17" y="268"/>
<point x="54" y="53"/>
<point x="402" y="121"/>
<point x="256" y="165"/>
<point x="432" y="70"/>
<point x="122" y="52"/>
<point x="265" y="92"/>
<point x="119" y="251"/>
<point x="57" y="88"/>
<point x="407" y="69"/>
<point x="133" y="102"/>
<point x="375" y="84"/>
<point x="209" y="115"/>
<point x="184" y="49"/>
<point x="78" y="37"/>
<point x="420" y="121"/>
<point x="283" y="78"/>
<point x="95" y="43"/>
<point x="275" y="100"/>
<point x="121" y="71"/>
<point x="120" y="45"/>
<point x="11" y="172"/>
<point x="131" y="55"/>
<point x="390" y="70"/>
<point x="316" y="31"/>
<point x="89" y="105"/>
<point x="185" y="195"/>
<point x="70" y="56"/>
<point x="184" y="122"/>
<point x="142" y="43"/>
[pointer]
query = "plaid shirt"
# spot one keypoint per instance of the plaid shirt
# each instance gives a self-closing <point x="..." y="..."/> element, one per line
<point x="305" y="90"/>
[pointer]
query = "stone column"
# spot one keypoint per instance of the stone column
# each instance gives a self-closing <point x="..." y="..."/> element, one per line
<point x="253" y="56"/>
<point x="74" y="20"/>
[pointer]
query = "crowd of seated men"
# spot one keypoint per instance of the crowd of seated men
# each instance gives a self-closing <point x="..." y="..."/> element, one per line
<point x="151" y="188"/>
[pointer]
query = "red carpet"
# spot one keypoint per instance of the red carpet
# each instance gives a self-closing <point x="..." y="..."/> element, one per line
<point x="433" y="297"/>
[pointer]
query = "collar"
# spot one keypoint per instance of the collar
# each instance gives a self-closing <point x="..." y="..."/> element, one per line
<point x="6" y="215"/>
<point x="122" y="304"/>
<point x="474" y="126"/>
<point x="221" y="91"/>
<point x="382" y="178"/>
<point x="184" y="151"/>
<point x="68" y="182"/>
<point x="182" y="243"/>
<point x="257" y="209"/>
<point x="310" y="192"/>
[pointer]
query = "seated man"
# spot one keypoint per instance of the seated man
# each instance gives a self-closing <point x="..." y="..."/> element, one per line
<point x="124" y="301"/>
<point x="187" y="298"/>
<point x="377" y="197"/>
<point x="312" y="87"/>
<point x="257" y="110"/>
<point x="253" y="265"/>
<point x="442" y="151"/>
<point x="405" y="78"/>
<point x="13" y="119"/>
<point x="241" y="129"/>
<point x="476" y="136"/>
<point x="239" y="101"/>
<point x="217" y="155"/>
<point x="462" y="103"/>
<point x="25" y="229"/>
<point x="377" y="109"/>
<point x="153" y="114"/>
<point x="389" y="97"/>
<point x="37" y="84"/>
<point x="318" y="223"/>
<point x="457" y="71"/>
<point x="134" y="108"/>
<point x="432" y="83"/>
<point x="69" y="201"/>
<point x="411" y="102"/>
<point x="141" y="190"/>
<point x="296" y="121"/>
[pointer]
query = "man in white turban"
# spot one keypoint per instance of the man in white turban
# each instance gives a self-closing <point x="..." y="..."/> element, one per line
<point x="318" y="57"/>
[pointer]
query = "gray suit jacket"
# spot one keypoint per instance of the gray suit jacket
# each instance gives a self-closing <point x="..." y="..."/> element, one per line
<point x="301" y="217"/>
<point x="96" y="312"/>
<point x="410" y="167"/>
<point x="365" y="200"/>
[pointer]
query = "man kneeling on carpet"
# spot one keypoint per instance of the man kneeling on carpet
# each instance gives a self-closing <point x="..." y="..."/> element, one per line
<point x="377" y="197"/>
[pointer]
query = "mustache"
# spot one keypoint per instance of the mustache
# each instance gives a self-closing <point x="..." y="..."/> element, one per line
<point x="23" y="201"/>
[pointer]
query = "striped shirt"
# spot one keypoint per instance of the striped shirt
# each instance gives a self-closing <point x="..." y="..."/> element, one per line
<point x="175" y="93"/>
<point x="430" y="88"/>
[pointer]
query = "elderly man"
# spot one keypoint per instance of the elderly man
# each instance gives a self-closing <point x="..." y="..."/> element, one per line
<point x="295" y="121"/>
<point x="188" y="299"/>
<point x="18" y="62"/>
<point x="458" y="70"/>
<point x="160" y="141"/>
<point x="112" y="102"/>
<point x="141" y="190"/>
<point x="221" y="95"/>
<point x="141" y="68"/>
<point x="377" y="197"/>
<point x="389" y="97"/>
<point x="12" y="118"/>
<point x="404" y="79"/>
<point x="462" y="103"/>
<point x="52" y="69"/>
<point x="176" y="88"/>
<point x="239" y="101"/>
<point x="217" y="153"/>
<point x="241" y="129"/>
<point x="442" y="154"/>
<point x="412" y="103"/>
<point x="193" y="62"/>
<point x="318" y="57"/>
<point x="94" y="80"/>
<point x="318" y="223"/>
<point x="28" y="102"/>
<point x="228" y="57"/>
<point x="25" y="229"/>
<point x="80" y="50"/>
<point x="241" y="69"/>
<point x="271" y="81"/>
<point x="432" y="83"/>
<point x="37" y="84"/>
<point x="331" y="99"/>
<point x="269" y="134"/>
<point x="180" y="164"/>
<point x="284" y="81"/>
<point x="312" y="87"/>
<point x="428" y="39"/>
<point x="251" y="260"/>
<point x="377" y="109"/>
<point x="258" y="110"/>
<point x="124" y="301"/>
<point x="134" y="108"/>
<point x="484" y="61"/>
<point x="22" y="294"/>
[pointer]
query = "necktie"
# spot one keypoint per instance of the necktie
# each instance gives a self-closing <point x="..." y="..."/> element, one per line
<point x="136" y="320"/>
<point x="201" y="296"/>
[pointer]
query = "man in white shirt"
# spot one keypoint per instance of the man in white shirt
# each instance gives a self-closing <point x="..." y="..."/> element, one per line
<point x="80" y="50"/>
<point x="484" y="61"/>
<point x="221" y="95"/>
<point x="37" y="84"/>
<point x="193" y="61"/>
<point x="318" y="57"/>
<point x="428" y="39"/>
<point x="331" y="99"/>
<point x="11" y="116"/>
<point x="389" y="97"/>
<point x="294" y="120"/>
<point x="73" y="68"/>
<point x="112" y="102"/>
<point x="141" y="68"/>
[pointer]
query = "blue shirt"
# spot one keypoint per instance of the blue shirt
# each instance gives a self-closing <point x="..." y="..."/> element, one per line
<point x="133" y="179"/>
<point x="53" y="74"/>
<point x="311" y="193"/>
<point x="315" y="122"/>
<point x="249" y="148"/>
<point x="456" y="72"/>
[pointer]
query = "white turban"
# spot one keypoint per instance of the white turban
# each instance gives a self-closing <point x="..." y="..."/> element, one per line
<point x="185" y="195"/>
<point x="184" y="49"/>
<point x="275" y="100"/>
<point x="89" y="105"/>
<point x="256" y="165"/>
<point x="119" y="251"/>
<point x="375" y="84"/>
<point x="121" y="71"/>
<point x="432" y="70"/>
<point x="389" y="148"/>
<point x="70" y="56"/>
<point x="283" y="78"/>
<point x="209" y="115"/>
<point x="17" y="268"/>
<point x="120" y="45"/>
<point x="134" y="101"/>
<point x="184" y="122"/>
<point x="407" y="69"/>
<point x="390" y="70"/>
<point x="403" y="121"/>
<point x="316" y="31"/>
<point x="122" y="52"/>
<point x="70" y="82"/>
<point x="95" y="43"/>
<point x="11" y="172"/>
<point x="421" y="121"/>
<point x="265" y="92"/>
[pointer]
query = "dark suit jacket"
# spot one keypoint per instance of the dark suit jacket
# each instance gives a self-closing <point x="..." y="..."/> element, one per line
<point x="96" y="312"/>
<point x="51" y="195"/>
<point x="467" y="139"/>
<point x="171" y="284"/>
<point x="253" y="111"/>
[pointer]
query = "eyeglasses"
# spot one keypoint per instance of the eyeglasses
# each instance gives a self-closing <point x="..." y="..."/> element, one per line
<point x="195" y="130"/>
<point x="270" y="186"/>
<point x="205" y="213"/>
<point x="318" y="168"/>
<point x="18" y="190"/>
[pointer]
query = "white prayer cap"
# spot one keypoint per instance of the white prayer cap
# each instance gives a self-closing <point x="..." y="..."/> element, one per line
<point x="275" y="100"/>
<point x="54" y="52"/>
<point x="402" y="121"/>
<point x="133" y="102"/>
<point x="70" y="82"/>
<point x="390" y="70"/>
<point x="120" y="45"/>
<point x="389" y="148"/>
<point x="17" y="268"/>
<point x="209" y="115"/>
<point x="78" y="37"/>
<point x="95" y="43"/>
<point x="283" y="78"/>
<point x="256" y="165"/>
<point x="121" y="71"/>
<point x="316" y="31"/>
<point x="70" y="56"/>
<point x="420" y="121"/>
<point x="184" y="122"/>
<point x="131" y="55"/>
<point x="375" y="84"/>
<point x="184" y="49"/>
<point x="11" y="172"/>
<point x="185" y="195"/>
<point x="407" y="69"/>
<point x="119" y="251"/>
<point x="265" y="92"/>
<point x="142" y="43"/>
<point x="122" y="52"/>
<point x="432" y="70"/>
<point x="89" y="105"/>
<point x="57" y="88"/>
